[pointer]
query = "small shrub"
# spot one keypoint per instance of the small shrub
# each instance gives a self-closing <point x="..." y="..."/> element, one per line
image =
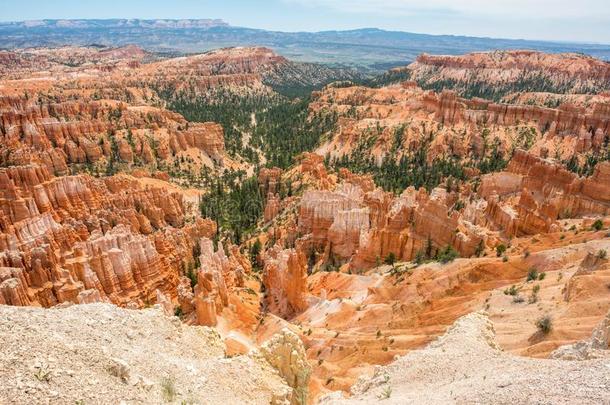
<point x="504" y="258"/>
<point x="386" y="393"/>
<point x="420" y="257"/>
<point x="517" y="299"/>
<point x="532" y="274"/>
<point x="447" y="255"/>
<point x="597" y="225"/>
<point x="541" y="276"/>
<point x="534" y="297"/>
<point x="178" y="311"/>
<point x="511" y="291"/>
<point x="544" y="324"/>
<point x="500" y="249"/>
<point x="168" y="389"/>
<point x="43" y="374"/>
<point x="526" y="254"/>
<point x="602" y="254"/>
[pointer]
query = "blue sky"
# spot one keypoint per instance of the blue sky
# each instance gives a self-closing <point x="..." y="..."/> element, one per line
<point x="569" y="20"/>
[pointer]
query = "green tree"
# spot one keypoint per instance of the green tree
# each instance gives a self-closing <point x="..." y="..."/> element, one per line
<point x="390" y="259"/>
<point x="500" y="249"/>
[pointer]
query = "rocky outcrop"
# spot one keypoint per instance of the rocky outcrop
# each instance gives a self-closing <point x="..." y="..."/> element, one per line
<point x="597" y="346"/>
<point x="344" y="233"/>
<point x="416" y="222"/>
<point x="596" y="187"/>
<point x="13" y="287"/>
<point x="286" y="353"/>
<point x="272" y="207"/>
<point x="98" y="343"/>
<point x="127" y="267"/>
<point x="270" y="184"/>
<point x="551" y="192"/>
<point x="314" y="172"/>
<point x="285" y="281"/>
<point x="269" y="179"/>
<point x="318" y="209"/>
<point x="219" y="277"/>
<point x="211" y="294"/>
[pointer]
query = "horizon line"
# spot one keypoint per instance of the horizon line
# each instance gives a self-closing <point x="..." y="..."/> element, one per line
<point x="558" y="41"/>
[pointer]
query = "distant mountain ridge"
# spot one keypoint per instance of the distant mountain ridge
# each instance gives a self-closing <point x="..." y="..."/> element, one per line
<point x="117" y="23"/>
<point x="368" y="48"/>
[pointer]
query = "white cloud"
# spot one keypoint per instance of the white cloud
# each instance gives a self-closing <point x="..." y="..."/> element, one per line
<point x="559" y="9"/>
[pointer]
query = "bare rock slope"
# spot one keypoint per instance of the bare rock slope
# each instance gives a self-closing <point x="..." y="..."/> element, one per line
<point x="466" y="366"/>
<point x="99" y="353"/>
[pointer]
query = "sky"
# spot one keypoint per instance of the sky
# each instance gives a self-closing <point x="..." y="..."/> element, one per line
<point x="559" y="20"/>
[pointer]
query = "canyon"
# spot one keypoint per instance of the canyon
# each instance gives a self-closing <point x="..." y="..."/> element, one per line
<point x="421" y="206"/>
